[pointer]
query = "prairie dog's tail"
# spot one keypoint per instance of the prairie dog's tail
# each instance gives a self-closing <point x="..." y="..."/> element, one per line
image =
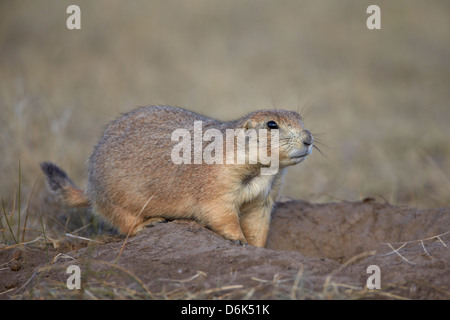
<point x="59" y="184"/>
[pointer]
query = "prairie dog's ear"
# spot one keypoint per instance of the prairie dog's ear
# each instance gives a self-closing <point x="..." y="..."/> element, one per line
<point x="247" y="125"/>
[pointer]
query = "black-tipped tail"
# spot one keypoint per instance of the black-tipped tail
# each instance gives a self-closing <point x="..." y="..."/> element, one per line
<point x="57" y="179"/>
<point x="60" y="184"/>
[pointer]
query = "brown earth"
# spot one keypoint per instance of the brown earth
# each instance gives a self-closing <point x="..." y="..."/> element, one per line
<point x="314" y="251"/>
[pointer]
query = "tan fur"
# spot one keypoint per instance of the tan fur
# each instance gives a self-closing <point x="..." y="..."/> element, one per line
<point x="75" y="197"/>
<point x="133" y="182"/>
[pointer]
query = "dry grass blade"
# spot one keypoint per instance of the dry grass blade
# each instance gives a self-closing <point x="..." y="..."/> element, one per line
<point x="63" y="255"/>
<point x="18" y="224"/>
<point x="274" y="280"/>
<point x="23" y="243"/>
<point x="249" y="294"/>
<point x="7" y="221"/>
<point x="199" y="273"/>
<point x="81" y="238"/>
<point x="443" y="243"/>
<point x="233" y="287"/>
<point x="296" y="282"/>
<point x="9" y="290"/>
<point x="398" y="253"/>
<point x="43" y="232"/>
<point x="28" y="208"/>
<point x="423" y="246"/>
<point x="90" y="295"/>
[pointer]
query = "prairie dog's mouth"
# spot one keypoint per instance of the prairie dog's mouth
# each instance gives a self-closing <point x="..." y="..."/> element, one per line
<point x="300" y="153"/>
<point x="299" y="156"/>
<point x="295" y="160"/>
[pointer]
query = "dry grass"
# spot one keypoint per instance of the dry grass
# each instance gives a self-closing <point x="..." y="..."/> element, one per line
<point x="381" y="98"/>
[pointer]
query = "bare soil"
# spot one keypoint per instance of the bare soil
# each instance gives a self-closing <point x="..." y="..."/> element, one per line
<point x="314" y="251"/>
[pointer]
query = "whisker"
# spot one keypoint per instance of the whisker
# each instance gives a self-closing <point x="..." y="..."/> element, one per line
<point x="274" y="105"/>
<point x="318" y="133"/>
<point x="307" y="109"/>
<point x="320" y="151"/>
<point x="322" y="144"/>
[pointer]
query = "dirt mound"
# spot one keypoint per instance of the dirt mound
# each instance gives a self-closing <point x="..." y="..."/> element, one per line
<point x="314" y="251"/>
<point x="339" y="231"/>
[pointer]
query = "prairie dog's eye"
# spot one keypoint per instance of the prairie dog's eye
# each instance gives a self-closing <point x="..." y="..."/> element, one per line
<point x="272" y="125"/>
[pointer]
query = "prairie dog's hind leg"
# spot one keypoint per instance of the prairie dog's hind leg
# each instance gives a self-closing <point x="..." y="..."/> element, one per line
<point x="125" y="221"/>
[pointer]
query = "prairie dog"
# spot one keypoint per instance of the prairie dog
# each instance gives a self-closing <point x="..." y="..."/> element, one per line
<point x="133" y="180"/>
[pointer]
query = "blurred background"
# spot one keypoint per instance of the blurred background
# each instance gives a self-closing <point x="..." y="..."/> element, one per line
<point x="378" y="100"/>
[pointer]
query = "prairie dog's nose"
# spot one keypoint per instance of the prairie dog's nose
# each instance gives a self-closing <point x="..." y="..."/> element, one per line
<point x="306" y="137"/>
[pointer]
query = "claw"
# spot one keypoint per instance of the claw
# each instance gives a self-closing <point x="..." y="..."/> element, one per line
<point x="240" y="243"/>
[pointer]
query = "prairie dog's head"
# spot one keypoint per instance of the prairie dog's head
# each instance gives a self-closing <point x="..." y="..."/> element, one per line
<point x="295" y="142"/>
